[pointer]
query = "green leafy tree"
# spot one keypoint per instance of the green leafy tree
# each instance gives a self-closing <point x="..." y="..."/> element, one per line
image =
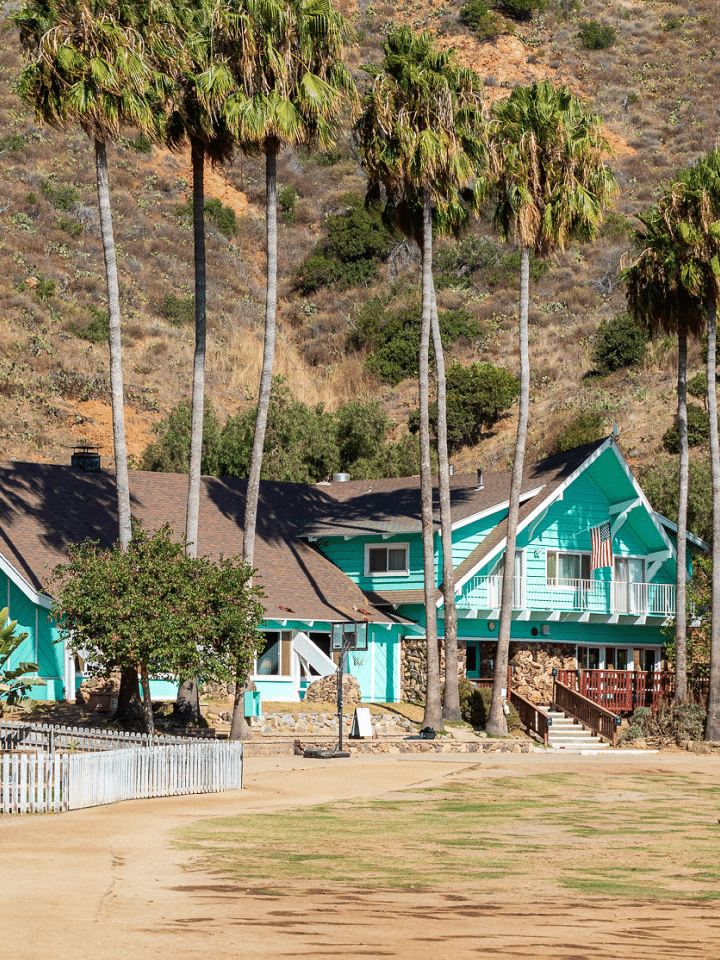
<point x="15" y="684"/>
<point x="546" y="154"/>
<point x="659" y="481"/>
<point x="170" y="453"/>
<point x="156" y="610"/>
<point x="300" y="445"/>
<point x="420" y="134"/>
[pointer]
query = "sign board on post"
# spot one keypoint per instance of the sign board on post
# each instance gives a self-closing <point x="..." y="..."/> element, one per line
<point x="362" y="724"/>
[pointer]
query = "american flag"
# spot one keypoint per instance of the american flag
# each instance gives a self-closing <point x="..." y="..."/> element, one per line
<point x="601" y="540"/>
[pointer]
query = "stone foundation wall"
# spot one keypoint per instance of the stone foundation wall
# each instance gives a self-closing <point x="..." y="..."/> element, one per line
<point x="533" y="664"/>
<point x="413" y="667"/>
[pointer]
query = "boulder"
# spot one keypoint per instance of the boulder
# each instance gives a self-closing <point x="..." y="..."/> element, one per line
<point x="324" y="690"/>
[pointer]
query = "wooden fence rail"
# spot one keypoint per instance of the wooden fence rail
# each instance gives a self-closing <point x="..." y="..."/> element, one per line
<point x="42" y="783"/>
<point x="17" y="735"/>
<point x="591" y="714"/>
<point x="532" y="719"/>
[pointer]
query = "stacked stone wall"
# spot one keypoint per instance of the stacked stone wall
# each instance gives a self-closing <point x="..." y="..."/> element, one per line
<point x="414" y="669"/>
<point x="533" y="664"/>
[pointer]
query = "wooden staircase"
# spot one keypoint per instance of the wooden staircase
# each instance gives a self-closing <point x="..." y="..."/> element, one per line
<point x="569" y="735"/>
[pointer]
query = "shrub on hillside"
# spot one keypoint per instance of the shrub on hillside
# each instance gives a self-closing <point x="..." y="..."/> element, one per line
<point x="521" y="9"/>
<point x="179" y="310"/>
<point x="455" y="264"/>
<point x="393" y="337"/>
<point x="585" y="428"/>
<point x="287" y="200"/>
<point x="222" y="217"/>
<point x="354" y="244"/>
<point x="597" y="36"/>
<point x="486" y="25"/>
<point x="698" y="427"/>
<point x="98" y="330"/>
<point x="477" y="395"/>
<point x="697" y="387"/>
<point x="619" y="342"/>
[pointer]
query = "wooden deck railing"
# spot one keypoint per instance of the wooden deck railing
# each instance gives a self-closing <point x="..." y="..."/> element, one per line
<point x="531" y="717"/>
<point x="589" y="713"/>
<point x="620" y="691"/>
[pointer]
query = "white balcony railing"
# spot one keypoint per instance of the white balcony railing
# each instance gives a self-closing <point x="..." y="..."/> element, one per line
<point x="582" y="596"/>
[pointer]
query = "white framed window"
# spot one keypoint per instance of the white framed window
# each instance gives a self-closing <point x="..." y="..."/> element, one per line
<point x="564" y="568"/>
<point x="387" y="560"/>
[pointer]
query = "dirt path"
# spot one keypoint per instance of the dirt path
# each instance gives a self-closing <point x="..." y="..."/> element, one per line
<point x="108" y="883"/>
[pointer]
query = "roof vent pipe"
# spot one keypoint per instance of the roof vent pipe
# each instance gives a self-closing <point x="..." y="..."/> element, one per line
<point x="480" y="478"/>
<point x="340" y="477"/>
<point x="451" y="468"/>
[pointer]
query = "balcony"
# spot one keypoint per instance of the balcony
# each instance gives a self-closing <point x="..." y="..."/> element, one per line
<point x="604" y="597"/>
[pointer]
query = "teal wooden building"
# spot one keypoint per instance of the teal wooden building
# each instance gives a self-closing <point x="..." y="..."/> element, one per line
<point x="352" y="551"/>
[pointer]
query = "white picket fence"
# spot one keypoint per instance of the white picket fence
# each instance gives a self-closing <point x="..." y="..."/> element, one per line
<point x="16" y="734"/>
<point x="43" y="783"/>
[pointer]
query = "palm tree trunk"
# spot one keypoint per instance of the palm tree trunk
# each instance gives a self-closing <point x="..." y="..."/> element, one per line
<point x="116" y="379"/>
<point x="451" y="698"/>
<point x="198" y="388"/>
<point x="126" y="710"/>
<point x="712" y="728"/>
<point x="433" y="710"/>
<point x="240" y="729"/>
<point x="680" y="612"/>
<point x="187" y="705"/>
<point x="497" y="725"/>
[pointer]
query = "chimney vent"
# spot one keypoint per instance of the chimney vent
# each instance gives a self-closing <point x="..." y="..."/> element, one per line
<point x="340" y="477"/>
<point x="480" y="478"/>
<point x="451" y="467"/>
<point x="86" y="459"/>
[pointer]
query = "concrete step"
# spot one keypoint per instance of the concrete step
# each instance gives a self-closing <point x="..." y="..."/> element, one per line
<point x="569" y="735"/>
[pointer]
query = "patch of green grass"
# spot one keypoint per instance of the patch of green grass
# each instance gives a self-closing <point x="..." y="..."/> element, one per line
<point x="487" y="836"/>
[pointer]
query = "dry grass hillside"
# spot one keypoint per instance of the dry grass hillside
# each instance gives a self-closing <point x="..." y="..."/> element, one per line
<point x="656" y="88"/>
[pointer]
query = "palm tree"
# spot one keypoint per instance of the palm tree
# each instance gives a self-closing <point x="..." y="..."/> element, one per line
<point x="657" y="298"/>
<point x="419" y="134"/>
<point x="87" y="67"/>
<point x="692" y="214"/>
<point x="546" y="156"/>
<point x="285" y="59"/>
<point x="195" y="116"/>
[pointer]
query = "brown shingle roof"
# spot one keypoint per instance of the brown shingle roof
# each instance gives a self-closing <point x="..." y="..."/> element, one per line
<point x="44" y="508"/>
<point x="366" y="507"/>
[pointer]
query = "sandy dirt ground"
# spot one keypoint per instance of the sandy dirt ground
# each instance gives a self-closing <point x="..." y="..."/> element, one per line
<point x="110" y="883"/>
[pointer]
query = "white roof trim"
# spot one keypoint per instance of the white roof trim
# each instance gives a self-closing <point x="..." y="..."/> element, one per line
<point x="559" y="492"/>
<point x="22" y="584"/>
<point x="690" y="536"/>
<point x="503" y="505"/>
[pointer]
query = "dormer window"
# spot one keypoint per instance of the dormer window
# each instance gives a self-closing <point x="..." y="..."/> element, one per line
<point x="389" y="560"/>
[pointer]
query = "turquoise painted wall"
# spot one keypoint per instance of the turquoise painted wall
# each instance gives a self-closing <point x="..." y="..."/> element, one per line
<point x="39" y="646"/>
<point x="349" y="556"/>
